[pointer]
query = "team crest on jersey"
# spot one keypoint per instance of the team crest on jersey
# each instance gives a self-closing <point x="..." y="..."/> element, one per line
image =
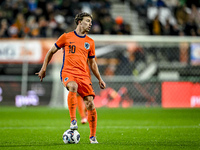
<point x="66" y="79"/>
<point x="87" y="45"/>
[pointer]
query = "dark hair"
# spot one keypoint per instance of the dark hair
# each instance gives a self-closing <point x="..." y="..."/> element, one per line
<point x="80" y="16"/>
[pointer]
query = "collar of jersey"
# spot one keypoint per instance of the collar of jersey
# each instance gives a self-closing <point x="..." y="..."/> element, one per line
<point x="79" y="35"/>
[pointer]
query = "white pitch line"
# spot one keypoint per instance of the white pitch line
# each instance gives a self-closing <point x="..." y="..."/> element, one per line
<point x="147" y="127"/>
<point x="105" y="127"/>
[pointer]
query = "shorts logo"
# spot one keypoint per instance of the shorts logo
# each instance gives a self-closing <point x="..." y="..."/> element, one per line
<point x="66" y="79"/>
<point x="87" y="45"/>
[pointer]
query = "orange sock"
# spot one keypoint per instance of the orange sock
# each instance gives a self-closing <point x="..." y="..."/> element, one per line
<point x="92" y="119"/>
<point x="81" y="106"/>
<point x="72" y="103"/>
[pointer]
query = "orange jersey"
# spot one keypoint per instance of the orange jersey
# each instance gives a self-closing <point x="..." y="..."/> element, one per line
<point x="76" y="50"/>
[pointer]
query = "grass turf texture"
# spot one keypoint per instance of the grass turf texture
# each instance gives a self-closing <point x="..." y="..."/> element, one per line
<point x="132" y="128"/>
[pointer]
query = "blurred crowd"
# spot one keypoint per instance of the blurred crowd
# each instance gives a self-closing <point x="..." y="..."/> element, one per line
<point x="42" y="18"/>
<point x="169" y="17"/>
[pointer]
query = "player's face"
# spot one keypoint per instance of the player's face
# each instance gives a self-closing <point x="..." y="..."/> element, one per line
<point x="86" y="24"/>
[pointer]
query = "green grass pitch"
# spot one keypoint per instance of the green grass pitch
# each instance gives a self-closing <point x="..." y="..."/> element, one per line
<point x="41" y="128"/>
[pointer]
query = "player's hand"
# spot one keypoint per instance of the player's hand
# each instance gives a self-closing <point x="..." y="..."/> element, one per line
<point x="102" y="84"/>
<point x="41" y="74"/>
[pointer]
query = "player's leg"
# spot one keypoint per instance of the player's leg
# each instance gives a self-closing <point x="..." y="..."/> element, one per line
<point x="92" y="117"/>
<point x="81" y="109"/>
<point x="72" y="103"/>
<point x="86" y="91"/>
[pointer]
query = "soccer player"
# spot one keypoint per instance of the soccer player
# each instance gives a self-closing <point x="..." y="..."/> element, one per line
<point x="77" y="48"/>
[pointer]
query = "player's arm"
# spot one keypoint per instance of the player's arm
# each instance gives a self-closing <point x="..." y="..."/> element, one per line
<point x="42" y="73"/>
<point x="95" y="70"/>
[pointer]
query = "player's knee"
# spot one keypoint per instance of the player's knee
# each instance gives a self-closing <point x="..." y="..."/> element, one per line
<point x="72" y="86"/>
<point x="89" y="103"/>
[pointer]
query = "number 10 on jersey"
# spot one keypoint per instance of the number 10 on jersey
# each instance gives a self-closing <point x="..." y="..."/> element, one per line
<point x="72" y="48"/>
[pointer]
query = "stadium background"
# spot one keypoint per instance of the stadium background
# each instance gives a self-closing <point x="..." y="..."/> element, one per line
<point x="148" y="50"/>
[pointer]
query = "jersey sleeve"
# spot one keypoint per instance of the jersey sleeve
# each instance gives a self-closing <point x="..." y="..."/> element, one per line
<point x="61" y="41"/>
<point x="92" y="51"/>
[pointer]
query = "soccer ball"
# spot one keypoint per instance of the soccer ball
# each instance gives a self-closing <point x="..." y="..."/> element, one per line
<point x="71" y="137"/>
